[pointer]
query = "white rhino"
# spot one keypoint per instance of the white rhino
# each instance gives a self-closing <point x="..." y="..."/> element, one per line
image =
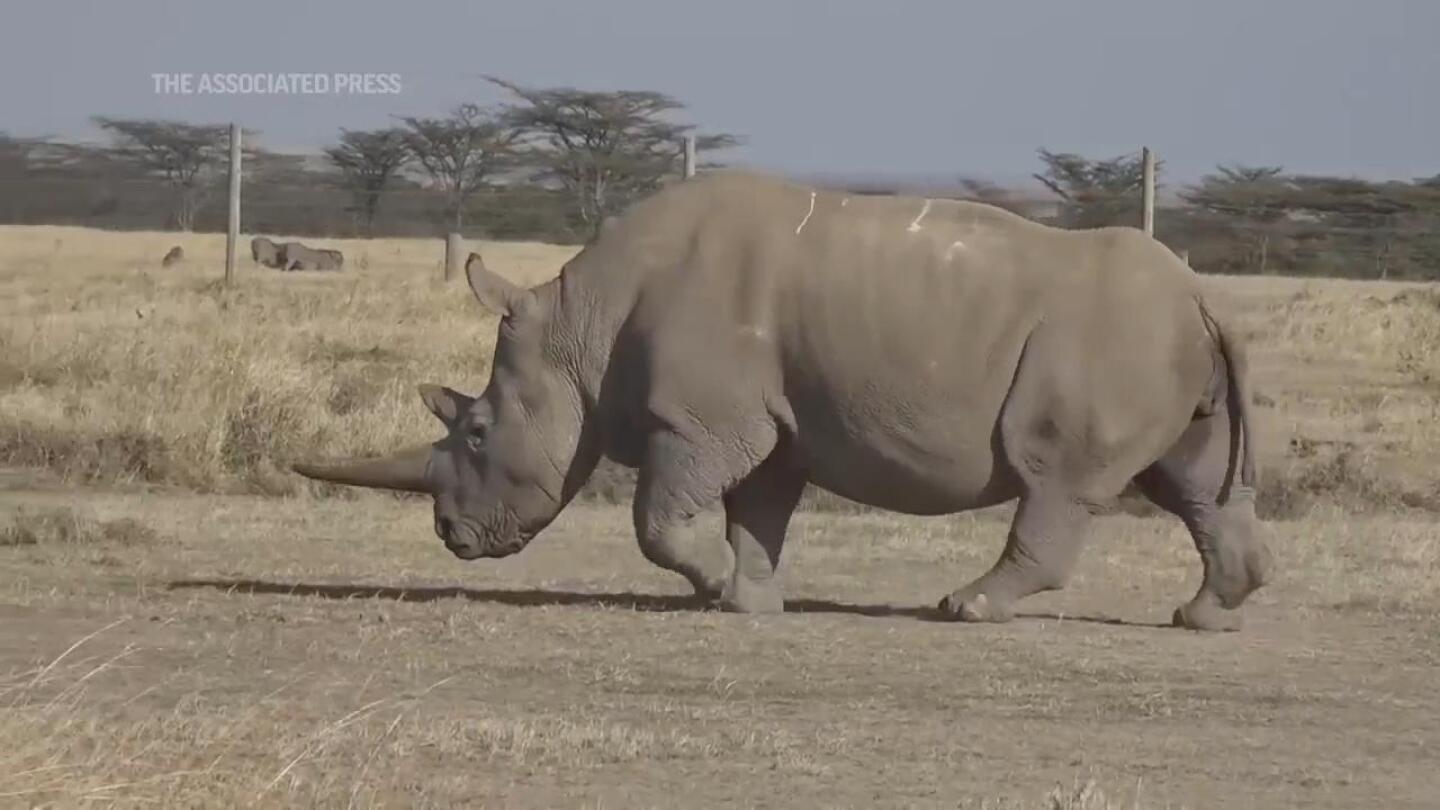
<point x="736" y="337"/>
<point x="265" y="252"/>
<point x="297" y="256"/>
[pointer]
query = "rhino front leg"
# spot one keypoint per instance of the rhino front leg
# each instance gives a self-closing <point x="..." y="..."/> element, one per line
<point x="757" y="512"/>
<point x="674" y="485"/>
<point x="1045" y="539"/>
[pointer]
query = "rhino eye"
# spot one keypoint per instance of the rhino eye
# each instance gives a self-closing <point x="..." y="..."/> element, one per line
<point x="476" y="437"/>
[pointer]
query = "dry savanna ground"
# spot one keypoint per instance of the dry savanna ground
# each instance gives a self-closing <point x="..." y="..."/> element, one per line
<point x="183" y="623"/>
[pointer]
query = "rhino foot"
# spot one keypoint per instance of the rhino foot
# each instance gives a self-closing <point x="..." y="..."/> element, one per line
<point x="748" y="596"/>
<point x="1207" y="615"/>
<point x="708" y="591"/>
<point x="977" y="608"/>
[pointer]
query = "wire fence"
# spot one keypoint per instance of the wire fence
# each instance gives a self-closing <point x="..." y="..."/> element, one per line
<point x="306" y="209"/>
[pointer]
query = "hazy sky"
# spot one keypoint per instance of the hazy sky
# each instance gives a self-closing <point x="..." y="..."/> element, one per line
<point x="937" y="88"/>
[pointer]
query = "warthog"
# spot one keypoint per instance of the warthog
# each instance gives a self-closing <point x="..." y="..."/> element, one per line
<point x="736" y="338"/>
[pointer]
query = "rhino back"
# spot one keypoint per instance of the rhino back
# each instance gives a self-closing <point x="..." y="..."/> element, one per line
<point x="896" y="324"/>
<point x="884" y="332"/>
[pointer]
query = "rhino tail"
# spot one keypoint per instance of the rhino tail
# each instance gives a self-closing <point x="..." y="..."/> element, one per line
<point x="1239" y="404"/>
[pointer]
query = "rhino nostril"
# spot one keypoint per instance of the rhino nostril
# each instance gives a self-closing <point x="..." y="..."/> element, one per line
<point x="443" y="527"/>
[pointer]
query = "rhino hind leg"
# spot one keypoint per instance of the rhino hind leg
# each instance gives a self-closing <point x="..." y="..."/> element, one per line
<point x="1235" y="564"/>
<point x="1187" y="482"/>
<point x="1045" y="539"/>
<point x="757" y="513"/>
<point x="1068" y="449"/>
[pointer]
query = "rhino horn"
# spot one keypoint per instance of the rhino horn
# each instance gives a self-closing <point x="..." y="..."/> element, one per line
<point x="402" y="470"/>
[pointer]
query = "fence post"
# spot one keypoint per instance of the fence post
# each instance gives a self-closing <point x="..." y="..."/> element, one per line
<point x="1147" y="218"/>
<point x="454" y="255"/>
<point x="232" y="233"/>
<point x="689" y="156"/>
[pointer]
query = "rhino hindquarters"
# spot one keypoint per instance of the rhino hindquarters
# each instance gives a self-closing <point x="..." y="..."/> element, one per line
<point x="1071" y="441"/>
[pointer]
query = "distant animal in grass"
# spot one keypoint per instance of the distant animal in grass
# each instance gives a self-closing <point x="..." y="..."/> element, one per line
<point x="295" y="256"/>
<point x="265" y="252"/>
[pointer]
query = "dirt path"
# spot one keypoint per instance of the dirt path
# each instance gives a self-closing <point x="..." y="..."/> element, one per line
<point x="267" y="659"/>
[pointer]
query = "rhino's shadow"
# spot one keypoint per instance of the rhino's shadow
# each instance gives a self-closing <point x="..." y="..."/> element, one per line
<point x="539" y="597"/>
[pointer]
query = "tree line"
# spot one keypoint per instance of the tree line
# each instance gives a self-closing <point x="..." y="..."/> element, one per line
<point x="1241" y="219"/>
<point x="552" y="163"/>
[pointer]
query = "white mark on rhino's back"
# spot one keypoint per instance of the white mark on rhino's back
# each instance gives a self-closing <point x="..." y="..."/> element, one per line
<point x="955" y="247"/>
<point x="915" y="226"/>
<point x="801" y="226"/>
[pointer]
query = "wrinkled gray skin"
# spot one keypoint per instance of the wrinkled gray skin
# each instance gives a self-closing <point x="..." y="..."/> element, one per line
<point x="295" y="256"/>
<point x="265" y="252"/>
<point x="173" y="256"/>
<point x="736" y="337"/>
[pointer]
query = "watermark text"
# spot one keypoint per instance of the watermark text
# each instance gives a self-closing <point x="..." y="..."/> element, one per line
<point x="249" y="84"/>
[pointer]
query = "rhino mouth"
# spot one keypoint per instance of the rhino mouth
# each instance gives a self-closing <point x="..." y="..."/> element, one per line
<point x="470" y="550"/>
<point x="492" y="551"/>
<point x="468" y="543"/>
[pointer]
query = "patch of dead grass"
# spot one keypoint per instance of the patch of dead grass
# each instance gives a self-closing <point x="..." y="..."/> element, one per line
<point x="116" y="370"/>
<point x="66" y="746"/>
<point x="78" y="732"/>
<point x="335" y="687"/>
<point x="65" y="526"/>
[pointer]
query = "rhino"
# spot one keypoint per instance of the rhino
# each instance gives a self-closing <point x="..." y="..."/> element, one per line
<point x="265" y="252"/>
<point x="295" y="256"/>
<point x="174" y="255"/>
<point x="736" y="337"/>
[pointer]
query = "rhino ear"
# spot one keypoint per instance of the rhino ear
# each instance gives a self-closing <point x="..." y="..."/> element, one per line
<point x="494" y="292"/>
<point x="447" y="404"/>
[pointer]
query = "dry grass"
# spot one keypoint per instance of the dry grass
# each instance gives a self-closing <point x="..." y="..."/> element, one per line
<point x="299" y="652"/>
<point x="1348" y="376"/>
<point x="114" y="369"/>
<point x="66" y="526"/>
<point x="74" y="742"/>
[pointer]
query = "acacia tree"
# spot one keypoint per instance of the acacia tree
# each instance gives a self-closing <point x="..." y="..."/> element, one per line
<point x="603" y="148"/>
<point x="459" y="152"/>
<point x="1341" y="226"/>
<point x="1255" y="196"/>
<point x="190" y="157"/>
<point x="1351" y="220"/>
<point x="369" y="159"/>
<point x="1096" y="192"/>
